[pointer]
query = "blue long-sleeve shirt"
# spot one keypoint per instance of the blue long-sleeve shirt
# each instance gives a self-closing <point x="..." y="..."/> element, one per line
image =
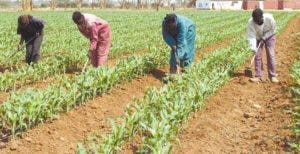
<point x="178" y="36"/>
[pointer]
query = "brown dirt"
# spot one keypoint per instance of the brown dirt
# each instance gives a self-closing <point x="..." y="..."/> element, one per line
<point x="132" y="145"/>
<point x="42" y="84"/>
<point x="70" y="72"/>
<point x="39" y="84"/>
<point x="3" y="95"/>
<point x="6" y="68"/>
<point x="62" y="135"/>
<point x="246" y="117"/>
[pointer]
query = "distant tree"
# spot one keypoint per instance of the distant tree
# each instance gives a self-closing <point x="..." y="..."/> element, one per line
<point x="4" y="4"/>
<point x="79" y="4"/>
<point x="66" y="4"/>
<point x="105" y="3"/>
<point x="157" y="4"/>
<point x="172" y="3"/>
<point x="27" y="5"/>
<point x="146" y="3"/>
<point x="191" y="3"/>
<point x="139" y="3"/>
<point x="95" y="3"/>
<point x="122" y="3"/>
<point x="30" y="4"/>
<point x="53" y="4"/>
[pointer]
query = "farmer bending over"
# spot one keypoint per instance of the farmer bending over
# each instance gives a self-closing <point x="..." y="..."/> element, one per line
<point x="99" y="33"/>
<point x="179" y="33"/>
<point x="261" y="30"/>
<point x="31" y="30"/>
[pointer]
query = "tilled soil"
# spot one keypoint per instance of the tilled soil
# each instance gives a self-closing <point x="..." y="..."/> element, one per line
<point x="63" y="134"/>
<point x="244" y="117"/>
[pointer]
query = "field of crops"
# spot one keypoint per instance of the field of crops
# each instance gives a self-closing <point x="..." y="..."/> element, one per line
<point x="137" y="49"/>
<point x="295" y="72"/>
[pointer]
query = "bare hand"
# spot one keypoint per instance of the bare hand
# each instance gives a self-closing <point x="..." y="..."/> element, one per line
<point x="173" y="48"/>
<point x="177" y="61"/>
<point x="262" y="40"/>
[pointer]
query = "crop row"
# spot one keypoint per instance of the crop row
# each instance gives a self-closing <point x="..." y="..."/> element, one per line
<point x="61" y="33"/>
<point x="295" y="72"/>
<point x="59" y="64"/>
<point x="25" y="109"/>
<point x="22" y="110"/>
<point x="160" y="113"/>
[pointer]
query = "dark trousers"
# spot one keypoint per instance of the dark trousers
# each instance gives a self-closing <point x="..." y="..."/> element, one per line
<point x="33" y="49"/>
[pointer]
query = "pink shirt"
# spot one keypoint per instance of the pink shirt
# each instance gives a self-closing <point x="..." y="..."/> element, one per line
<point x="94" y="26"/>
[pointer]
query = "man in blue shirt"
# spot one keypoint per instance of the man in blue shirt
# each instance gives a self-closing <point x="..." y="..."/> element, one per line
<point x="179" y="33"/>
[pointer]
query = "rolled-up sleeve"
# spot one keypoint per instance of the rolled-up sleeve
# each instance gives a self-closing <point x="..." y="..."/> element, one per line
<point x="94" y="37"/>
<point x="251" y="36"/>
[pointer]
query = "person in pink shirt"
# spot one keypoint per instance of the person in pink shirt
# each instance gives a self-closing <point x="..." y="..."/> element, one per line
<point x="99" y="33"/>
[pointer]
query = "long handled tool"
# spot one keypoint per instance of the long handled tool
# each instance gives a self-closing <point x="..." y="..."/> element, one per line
<point x="177" y="61"/>
<point x="21" y="47"/>
<point x="85" y="65"/>
<point x="248" y="70"/>
<point x="171" y="76"/>
<point x="177" y="65"/>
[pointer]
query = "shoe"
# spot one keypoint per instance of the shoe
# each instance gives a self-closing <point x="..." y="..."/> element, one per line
<point x="274" y="80"/>
<point x="256" y="79"/>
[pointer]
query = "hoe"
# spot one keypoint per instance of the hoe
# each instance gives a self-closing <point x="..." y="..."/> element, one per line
<point x="248" y="70"/>
<point x="21" y="47"/>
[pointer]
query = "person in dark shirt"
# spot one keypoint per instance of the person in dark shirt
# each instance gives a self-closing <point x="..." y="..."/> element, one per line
<point x="31" y="30"/>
